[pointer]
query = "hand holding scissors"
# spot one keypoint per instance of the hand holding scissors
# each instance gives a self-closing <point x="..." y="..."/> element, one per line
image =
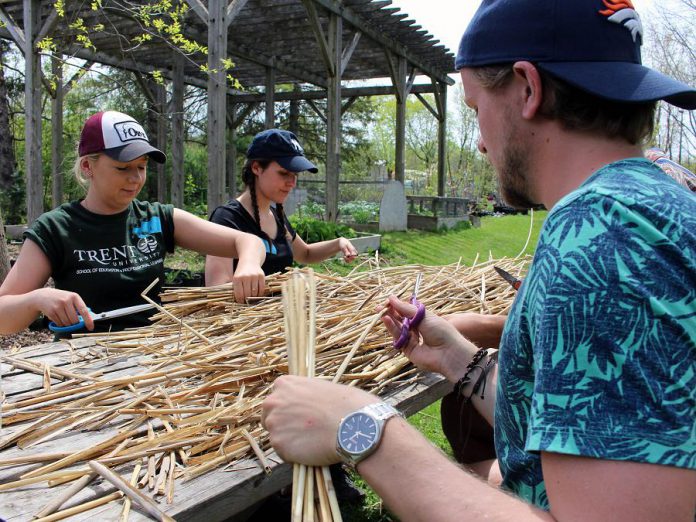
<point x="80" y="324"/>
<point x="411" y="324"/>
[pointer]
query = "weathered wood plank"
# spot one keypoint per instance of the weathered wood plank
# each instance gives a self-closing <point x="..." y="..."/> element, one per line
<point x="216" y="495"/>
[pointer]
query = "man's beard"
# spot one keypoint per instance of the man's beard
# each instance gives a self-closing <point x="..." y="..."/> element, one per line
<point x="513" y="178"/>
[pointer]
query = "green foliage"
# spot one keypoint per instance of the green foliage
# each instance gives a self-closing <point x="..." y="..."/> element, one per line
<point x="311" y="209"/>
<point x="12" y="200"/>
<point x="313" y="230"/>
<point x="195" y="179"/>
<point x="359" y="211"/>
<point x="458" y="227"/>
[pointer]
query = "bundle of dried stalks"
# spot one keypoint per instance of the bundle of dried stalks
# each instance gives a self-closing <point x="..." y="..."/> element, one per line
<point x="192" y="403"/>
<point x="313" y="495"/>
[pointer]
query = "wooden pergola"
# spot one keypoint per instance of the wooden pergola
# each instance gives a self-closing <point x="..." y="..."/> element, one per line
<point x="315" y="43"/>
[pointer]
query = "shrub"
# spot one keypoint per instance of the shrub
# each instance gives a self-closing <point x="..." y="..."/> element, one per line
<point x="360" y="211"/>
<point x="313" y="230"/>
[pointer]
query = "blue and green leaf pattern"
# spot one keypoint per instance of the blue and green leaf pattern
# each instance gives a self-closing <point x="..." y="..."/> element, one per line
<point x="598" y="357"/>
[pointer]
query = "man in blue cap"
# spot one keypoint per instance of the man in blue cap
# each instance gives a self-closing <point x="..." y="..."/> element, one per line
<point x="592" y="399"/>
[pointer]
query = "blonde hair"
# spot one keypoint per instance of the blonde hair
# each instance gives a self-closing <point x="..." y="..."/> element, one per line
<point x="77" y="169"/>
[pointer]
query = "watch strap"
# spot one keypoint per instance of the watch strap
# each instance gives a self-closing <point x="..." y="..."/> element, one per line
<point x="381" y="410"/>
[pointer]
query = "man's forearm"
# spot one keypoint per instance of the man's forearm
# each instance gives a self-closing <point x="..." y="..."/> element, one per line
<point x="418" y="482"/>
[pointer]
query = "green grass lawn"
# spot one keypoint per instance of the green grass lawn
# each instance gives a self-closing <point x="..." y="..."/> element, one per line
<point x="503" y="236"/>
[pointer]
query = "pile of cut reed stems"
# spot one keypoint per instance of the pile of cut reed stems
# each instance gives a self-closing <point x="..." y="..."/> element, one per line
<point x="205" y="365"/>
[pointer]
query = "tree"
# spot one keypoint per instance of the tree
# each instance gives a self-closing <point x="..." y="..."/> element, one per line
<point x="671" y="50"/>
<point x="4" y="255"/>
<point x="8" y="163"/>
<point x="421" y="133"/>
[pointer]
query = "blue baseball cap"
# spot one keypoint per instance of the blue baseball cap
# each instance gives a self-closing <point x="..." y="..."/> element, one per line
<point x="280" y="146"/>
<point x="593" y="45"/>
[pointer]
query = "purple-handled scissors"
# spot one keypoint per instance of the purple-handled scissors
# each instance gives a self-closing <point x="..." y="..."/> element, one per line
<point x="410" y="324"/>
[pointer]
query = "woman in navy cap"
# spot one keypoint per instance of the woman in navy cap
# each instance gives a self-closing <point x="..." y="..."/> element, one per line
<point x="274" y="159"/>
<point x="104" y="250"/>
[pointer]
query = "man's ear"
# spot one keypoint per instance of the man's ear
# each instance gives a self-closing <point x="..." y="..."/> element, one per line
<point x="530" y="80"/>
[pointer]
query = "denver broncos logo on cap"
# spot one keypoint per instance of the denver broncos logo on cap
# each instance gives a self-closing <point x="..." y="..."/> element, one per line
<point x="623" y="13"/>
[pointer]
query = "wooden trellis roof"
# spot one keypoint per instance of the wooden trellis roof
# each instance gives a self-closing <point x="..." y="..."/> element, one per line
<point x="262" y="34"/>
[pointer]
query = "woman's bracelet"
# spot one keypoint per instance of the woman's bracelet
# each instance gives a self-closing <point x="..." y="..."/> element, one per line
<point x="476" y="363"/>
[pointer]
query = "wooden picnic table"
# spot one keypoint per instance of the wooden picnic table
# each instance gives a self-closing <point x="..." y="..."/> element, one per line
<point x="217" y="495"/>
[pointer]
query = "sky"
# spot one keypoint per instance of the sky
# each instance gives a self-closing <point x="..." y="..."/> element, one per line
<point x="447" y="19"/>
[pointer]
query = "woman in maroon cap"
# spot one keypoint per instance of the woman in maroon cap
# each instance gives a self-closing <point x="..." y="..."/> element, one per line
<point x="104" y="250"/>
<point x="274" y="159"/>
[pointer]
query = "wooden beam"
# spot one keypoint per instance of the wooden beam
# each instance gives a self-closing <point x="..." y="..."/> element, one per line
<point x="269" y="121"/>
<point x="315" y="24"/>
<point x="338" y="7"/>
<point x="438" y="90"/>
<point x="217" y="103"/>
<point x="231" y="111"/>
<point x="177" y="111"/>
<point x="409" y="82"/>
<point x="161" y="143"/>
<point x="346" y="92"/>
<point x="400" y="130"/>
<point x="76" y="77"/>
<point x="441" y="137"/>
<point x="348" y="104"/>
<point x="48" y="26"/>
<point x="15" y="31"/>
<point x="318" y="111"/>
<point x="199" y="8"/>
<point x="393" y="73"/>
<point x="233" y="10"/>
<point x="129" y="65"/>
<point x="244" y="52"/>
<point x="427" y="105"/>
<point x="143" y="83"/>
<point x="333" y="116"/>
<point x="57" y="133"/>
<point x="348" y="51"/>
<point x="32" y="112"/>
<point x="236" y="119"/>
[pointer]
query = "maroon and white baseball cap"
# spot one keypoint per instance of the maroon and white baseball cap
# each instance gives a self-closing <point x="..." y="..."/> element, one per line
<point x="118" y="136"/>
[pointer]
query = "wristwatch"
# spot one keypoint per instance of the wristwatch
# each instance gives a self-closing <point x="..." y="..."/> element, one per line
<point x="360" y="432"/>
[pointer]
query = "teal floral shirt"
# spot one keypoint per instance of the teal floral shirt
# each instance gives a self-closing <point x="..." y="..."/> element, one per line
<point x="598" y="356"/>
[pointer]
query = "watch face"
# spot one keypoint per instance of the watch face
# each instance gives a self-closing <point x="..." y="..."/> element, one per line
<point x="357" y="433"/>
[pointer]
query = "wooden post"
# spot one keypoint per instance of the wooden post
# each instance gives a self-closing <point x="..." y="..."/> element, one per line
<point x="294" y="117"/>
<point x="441" y="100"/>
<point x="270" y="98"/>
<point x="232" y="150"/>
<point x="32" y="111"/>
<point x="400" y="131"/>
<point x="177" y="160"/>
<point x="217" y="83"/>
<point x="333" y="116"/>
<point x="161" y="98"/>
<point x="57" y="132"/>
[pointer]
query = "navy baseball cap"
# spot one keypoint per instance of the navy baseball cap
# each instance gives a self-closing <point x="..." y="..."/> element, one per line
<point x="280" y="146"/>
<point x="593" y="45"/>
<point x="118" y="136"/>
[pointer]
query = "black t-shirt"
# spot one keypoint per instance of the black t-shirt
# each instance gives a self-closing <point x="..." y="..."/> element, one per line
<point x="278" y="251"/>
<point x="107" y="259"/>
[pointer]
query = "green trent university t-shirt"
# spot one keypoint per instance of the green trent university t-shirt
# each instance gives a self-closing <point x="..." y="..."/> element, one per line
<point x="107" y="259"/>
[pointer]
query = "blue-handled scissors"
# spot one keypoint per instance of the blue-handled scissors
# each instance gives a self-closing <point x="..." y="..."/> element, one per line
<point x="411" y="324"/>
<point x="80" y="324"/>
